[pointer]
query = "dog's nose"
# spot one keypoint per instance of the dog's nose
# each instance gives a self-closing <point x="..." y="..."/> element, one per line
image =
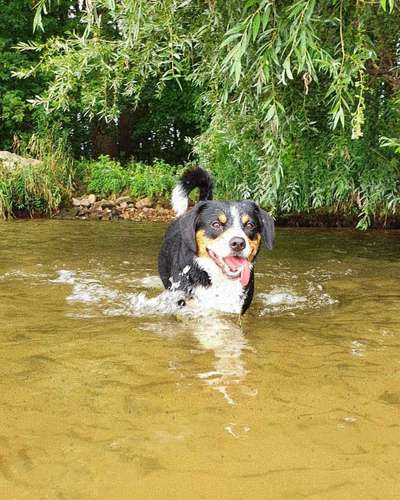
<point x="237" y="244"/>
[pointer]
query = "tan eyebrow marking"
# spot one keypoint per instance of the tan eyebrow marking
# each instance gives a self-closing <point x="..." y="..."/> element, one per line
<point x="222" y="218"/>
<point x="245" y="219"/>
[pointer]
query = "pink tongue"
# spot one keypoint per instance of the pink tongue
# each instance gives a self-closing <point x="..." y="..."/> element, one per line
<point x="236" y="262"/>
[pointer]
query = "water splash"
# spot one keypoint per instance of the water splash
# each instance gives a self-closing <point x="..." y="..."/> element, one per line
<point x="89" y="291"/>
<point x="298" y="292"/>
<point x="213" y="332"/>
<point x="64" y="276"/>
<point x="282" y="300"/>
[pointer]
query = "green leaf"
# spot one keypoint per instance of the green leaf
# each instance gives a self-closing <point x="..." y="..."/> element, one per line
<point x="271" y="113"/>
<point x="230" y="39"/>
<point x="265" y="17"/>
<point x="256" y="25"/>
<point x="286" y="66"/>
<point x="339" y="115"/>
<point x="238" y="70"/>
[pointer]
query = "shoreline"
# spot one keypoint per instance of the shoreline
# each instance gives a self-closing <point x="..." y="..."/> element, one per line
<point x="163" y="214"/>
<point x="146" y="209"/>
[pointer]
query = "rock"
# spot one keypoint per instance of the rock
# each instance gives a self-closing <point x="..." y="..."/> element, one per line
<point x="12" y="161"/>
<point x="92" y="198"/>
<point x="123" y="199"/>
<point x="85" y="202"/>
<point x="144" y="203"/>
<point x="123" y="205"/>
<point x="107" y="204"/>
<point x="95" y="215"/>
<point x="66" y="213"/>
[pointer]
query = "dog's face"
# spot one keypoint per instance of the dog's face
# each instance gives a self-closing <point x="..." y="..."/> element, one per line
<point x="229" y="234"/>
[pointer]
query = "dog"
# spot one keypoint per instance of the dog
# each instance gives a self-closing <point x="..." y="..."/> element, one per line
<point x="209" y="251"/>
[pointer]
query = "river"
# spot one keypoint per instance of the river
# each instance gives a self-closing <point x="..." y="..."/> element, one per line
<point x="107" y="392"/>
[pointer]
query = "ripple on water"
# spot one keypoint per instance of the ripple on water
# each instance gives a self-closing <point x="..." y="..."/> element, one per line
<point x="89" y="289"/>
<point x="282" y="301"/>
<point x="305" y="294"/>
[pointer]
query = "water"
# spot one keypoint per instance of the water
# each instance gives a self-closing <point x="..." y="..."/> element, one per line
<point x="107" y="392"/>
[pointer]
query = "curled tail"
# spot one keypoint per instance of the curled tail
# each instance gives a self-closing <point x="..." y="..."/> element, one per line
<point x="193" y="178"/>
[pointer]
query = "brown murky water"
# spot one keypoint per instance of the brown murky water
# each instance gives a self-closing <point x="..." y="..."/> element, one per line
<point x="106" y="394"/>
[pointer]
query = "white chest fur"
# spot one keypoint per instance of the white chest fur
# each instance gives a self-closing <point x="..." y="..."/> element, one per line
<point x="224" y="294"/>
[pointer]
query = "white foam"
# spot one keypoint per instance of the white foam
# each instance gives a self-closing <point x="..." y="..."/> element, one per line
<point x="18" y="274"/>
<point x="139" y="305"/>
<point x="91" y="292"/>
<point x="281" y="300"/>
<point x="88" y="290"/>
<point x="64" y="276"/>
<point x="148" y="282"/>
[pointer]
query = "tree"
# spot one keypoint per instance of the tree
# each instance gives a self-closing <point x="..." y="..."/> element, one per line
<point x="299" y="93"/>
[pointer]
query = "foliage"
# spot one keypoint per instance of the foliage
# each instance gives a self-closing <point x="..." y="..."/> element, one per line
<point x="38" y="188"/>
<point x="107" y="177"/>
<point x="158" y="122"/>
<point x="157" y="179"/>
<point x="299" y="93"/>
<point x="19" y="118"/>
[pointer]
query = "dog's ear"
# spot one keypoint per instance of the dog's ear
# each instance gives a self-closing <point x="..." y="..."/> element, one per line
<point x="267" y="228"/>
<point x="267" y="225"/>
<point x="187" y="225"/>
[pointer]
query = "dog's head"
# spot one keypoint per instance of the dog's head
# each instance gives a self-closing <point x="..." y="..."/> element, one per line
<point x="229" y="234"/>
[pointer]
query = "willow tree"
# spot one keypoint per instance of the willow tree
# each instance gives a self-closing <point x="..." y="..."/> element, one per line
<point x="303" y="96"/>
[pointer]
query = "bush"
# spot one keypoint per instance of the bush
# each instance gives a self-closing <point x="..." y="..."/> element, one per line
<point x="106" y="177"/>
<point x="37" y="187"/>
<point x="157" y="179"/>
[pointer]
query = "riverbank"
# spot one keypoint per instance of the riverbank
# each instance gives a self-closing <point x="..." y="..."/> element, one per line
<point x="104" y="190"/>
<point x="147" y="209"/>
<point x="121" y="208"/>
<point x="126" y="208"/>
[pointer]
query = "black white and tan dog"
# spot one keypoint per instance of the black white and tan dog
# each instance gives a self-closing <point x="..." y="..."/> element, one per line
<point x="209" y="251"/>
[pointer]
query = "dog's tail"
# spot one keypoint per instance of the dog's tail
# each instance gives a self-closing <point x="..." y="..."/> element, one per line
<point x="193" y="178"/>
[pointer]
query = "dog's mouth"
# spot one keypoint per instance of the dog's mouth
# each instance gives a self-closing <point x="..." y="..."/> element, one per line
<point x="233" y="267"/>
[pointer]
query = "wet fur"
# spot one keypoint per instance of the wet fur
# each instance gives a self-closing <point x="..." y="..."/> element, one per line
<point x="184" y="263"/>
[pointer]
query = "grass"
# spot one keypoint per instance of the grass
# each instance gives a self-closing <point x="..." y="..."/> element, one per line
<point x="37" y="188"/>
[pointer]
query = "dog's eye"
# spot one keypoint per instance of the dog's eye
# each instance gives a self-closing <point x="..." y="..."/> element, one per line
<point x="250" y="225"/>
<point x="216" y="225"/>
